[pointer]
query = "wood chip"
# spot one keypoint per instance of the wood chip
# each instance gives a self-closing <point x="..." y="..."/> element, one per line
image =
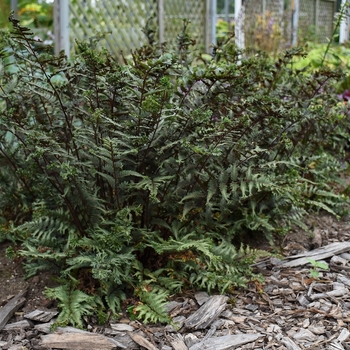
<point x="122" y="327"/>
<point x="226" y="342"/>
<point x="207" y="313"/>
<point x="344" y="334"/>
<point x="201" y="297"/>
<point x="333" y="293"/>
<point x="79" y="341"/>
<point x="317" y="254"/>
<point x="7" y="311"/>
<point x="304" y="335"/>
<point x="177" y="342"/>
<point x="190" y="340"/>
<point x="137" y="338"/>
<point x="290" y="345"/>
<point x="24" y="324"/>
<point x="41" y="316"/>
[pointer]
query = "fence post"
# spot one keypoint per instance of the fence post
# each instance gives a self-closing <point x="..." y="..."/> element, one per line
<point x="14" y="7"/>
<point x="61" y="27"/>
<point x="161" y="21"/>
<point x="344" y="25"/>
<point x="213" y="20"/>
<point x="295" y="20"/>
<point x="239" y="24"/>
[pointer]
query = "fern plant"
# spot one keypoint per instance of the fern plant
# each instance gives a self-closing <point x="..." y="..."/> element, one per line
<point x="73" y="303"/>
<point x="138" y="178"/>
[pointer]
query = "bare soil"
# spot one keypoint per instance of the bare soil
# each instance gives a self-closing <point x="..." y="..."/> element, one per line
<point x="12" y="281"/>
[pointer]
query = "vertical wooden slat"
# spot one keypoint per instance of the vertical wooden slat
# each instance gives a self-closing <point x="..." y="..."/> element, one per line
<point x="14" y="7"/>
<point x="239" y="27"/>
<point x="207" y="26"/>
<point x="61" y="27"/>
<point x="344" y="26"/>
<point x="161" y="20"/>
<point x="295" y="22"/>
<point x="213" y="19"/>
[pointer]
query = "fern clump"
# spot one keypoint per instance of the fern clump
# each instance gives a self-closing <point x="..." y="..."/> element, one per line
<point x="139" y="178"/>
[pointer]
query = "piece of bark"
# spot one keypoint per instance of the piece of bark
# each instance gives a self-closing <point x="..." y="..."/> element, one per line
<point x="122" y="327"/>
<point x="7" y="311"/>
<point x="18" y="325"/>
<point x="201" y="297"/>
<point x="137" y="338"/>
<point x="305" y="335"/>
<point x="46" y="328"/>
<point x="190" y="339"/>
<point x="207" y="313"/>
<point x="317" y="254"/>
<point x="344" y="335"/>
<point x="79" y="341"/>
<point x="172" y="305"/>
<point x="337" y="260"/>
<point x="177" y="342"/>
<point x="289" y="344"/>
<point x="333" y="293"/>
<point x="335" y="346"/>
<point x="226" y="342"/>
<point x="41" y="315"/>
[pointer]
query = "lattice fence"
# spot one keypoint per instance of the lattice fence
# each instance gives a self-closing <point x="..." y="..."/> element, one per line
<point x="193" y="10"/>
<point x="122" y="19"/>
<point x="268" y="23"/>
<point x="316" y="19"/>
<point x="126" y="19"/>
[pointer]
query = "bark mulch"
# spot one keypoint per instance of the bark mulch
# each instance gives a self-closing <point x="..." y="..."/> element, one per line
<point x="290" y="310"/>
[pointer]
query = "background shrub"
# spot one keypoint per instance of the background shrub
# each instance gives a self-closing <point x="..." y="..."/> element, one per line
<point x="139" y="177"/>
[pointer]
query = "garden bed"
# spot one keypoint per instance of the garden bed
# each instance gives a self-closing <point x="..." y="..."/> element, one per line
<point x="290" y="310"/>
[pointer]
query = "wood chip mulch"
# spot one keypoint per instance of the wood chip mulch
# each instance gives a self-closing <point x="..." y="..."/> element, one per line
<point x="290" y="310"/>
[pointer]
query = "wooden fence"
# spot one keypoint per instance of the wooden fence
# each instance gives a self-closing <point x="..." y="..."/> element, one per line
<point x="255" y="20"/>
<point x="123" y="22"/>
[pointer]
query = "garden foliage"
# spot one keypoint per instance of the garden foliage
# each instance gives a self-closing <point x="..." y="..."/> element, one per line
<point x="140" y="177"/>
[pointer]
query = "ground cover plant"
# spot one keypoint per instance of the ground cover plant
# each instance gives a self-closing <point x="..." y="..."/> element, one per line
<point x="142" y="178"/>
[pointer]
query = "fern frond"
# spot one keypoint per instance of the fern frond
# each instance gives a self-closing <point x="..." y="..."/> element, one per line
<point x="73" y="304"/>
<point x="152" y="307"/>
